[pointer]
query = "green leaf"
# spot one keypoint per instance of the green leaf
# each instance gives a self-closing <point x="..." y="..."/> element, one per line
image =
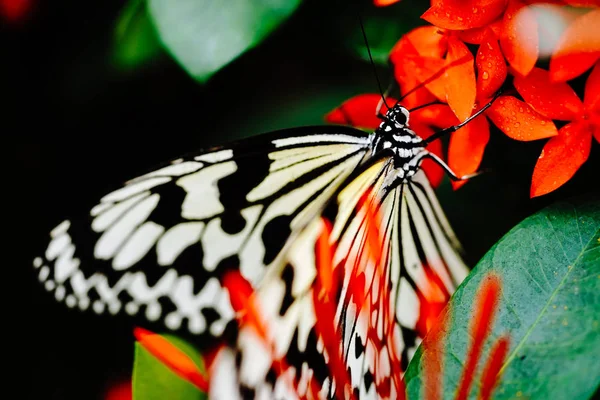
<point x="154" y="380"/>
<point x="205" y="35"/>
<point x="135" y="39"/>
<point x="383" y="26"/>
<point x="550" y="307"/>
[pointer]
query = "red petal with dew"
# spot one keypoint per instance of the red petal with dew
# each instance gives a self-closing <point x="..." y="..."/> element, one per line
<point x="414" y="93"/>
<point x="358" y="111"/>
<point x="463" y="14"/>
<point x="561" y="158"/>
<point x="466" y="148"/>
<point x="554" y="100"/>
<point x="428" y="41"/>
<point x="438" y="115"/>
<point x="491" y="67"/>
<point x="519" y="121"/>
<point x="427" y="71"/>
<point x="172" y="357"/>
<point x="591" y="98"/>
<point x="434" y="172"/>
<point x="578" y="48"/>
<point x="519" y="37"/>
<point x="460" y="79"/>
<point x="477" y="35"/>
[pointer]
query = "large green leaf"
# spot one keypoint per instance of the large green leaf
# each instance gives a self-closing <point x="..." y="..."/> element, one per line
<point x="384" y="26"/>
<point x="205" y="35"/>
<point x="549" y="265"/>
<point x="135" y="39"/>
<point x="154" y="380"/>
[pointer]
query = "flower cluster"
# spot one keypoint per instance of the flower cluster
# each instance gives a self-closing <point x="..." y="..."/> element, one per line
<point x="511" y="38"/>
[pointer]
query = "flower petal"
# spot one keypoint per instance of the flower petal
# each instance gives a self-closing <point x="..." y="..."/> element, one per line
<point x="476" y="35"/>
<point x="425" y="71"/>
<point x="491" y="67"/>
<point x="519" y="121"/>
<point x="434" y="172"/>
<point x="438" y="115"/>
<point x="578" y="48"/>
<point x="591" y="98"/>
<point x="428" y="41"/>
<point x="358" y="111"/>
<point x="552" y="100"/>
<point x="459" y="79"/>
<point x="466" y="148"/>
<point x="561" y="158"/>
<point x="463" y="14"/>
<point x="519" y="38"/>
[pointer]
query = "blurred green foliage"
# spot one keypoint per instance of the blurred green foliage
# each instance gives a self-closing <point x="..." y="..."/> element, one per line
<point x="135" y="39"/>
<point x="204" y="35"/>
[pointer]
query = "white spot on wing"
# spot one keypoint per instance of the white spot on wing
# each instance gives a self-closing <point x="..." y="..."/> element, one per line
<point x="202" y="199"/>
<point x="60" y="228"/>
<point x="109" y="216"/>
<point x="134" y="188"/>
<point x="176" y="240"/>
<point x="44" y="273"/>
<point x="218" y="245"/>
<point x="113" y="238"/>
<point x="407" y="305"/>
<point x="216" y="156"/>
<point x="175" y="169"/>
<point x="339" y="138"/>
<point x="138" y="245"/>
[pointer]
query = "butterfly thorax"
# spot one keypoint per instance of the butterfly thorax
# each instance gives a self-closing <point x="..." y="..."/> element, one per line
<point x="394" y="135"/>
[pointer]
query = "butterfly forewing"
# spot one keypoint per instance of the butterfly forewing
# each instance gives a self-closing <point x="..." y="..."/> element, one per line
<point x="382" y="298"/>
<point x="157" y="246"/>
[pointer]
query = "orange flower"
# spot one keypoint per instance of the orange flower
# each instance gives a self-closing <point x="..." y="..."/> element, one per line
<point x="564" y="154"/>
<point x="578" y="48"/>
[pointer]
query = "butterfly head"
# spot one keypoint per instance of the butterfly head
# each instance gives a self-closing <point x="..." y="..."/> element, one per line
<point x="394" y="134"/>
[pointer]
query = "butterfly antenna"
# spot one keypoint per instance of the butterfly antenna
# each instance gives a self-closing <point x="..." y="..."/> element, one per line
<point x="362" y="28"/>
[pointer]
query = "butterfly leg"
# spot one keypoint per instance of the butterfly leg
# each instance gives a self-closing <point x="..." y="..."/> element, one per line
<point x="449" y="171"/>
<point x="454" y="128"/>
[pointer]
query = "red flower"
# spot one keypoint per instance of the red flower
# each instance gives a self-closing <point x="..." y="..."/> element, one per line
<point x="564" y="154"/>
<point x="578" y="48"/>
<point x="434" y="62"/>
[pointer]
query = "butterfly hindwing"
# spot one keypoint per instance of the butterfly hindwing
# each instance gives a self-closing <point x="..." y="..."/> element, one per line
<point x="157" y="246"/>
<point x="381" y="298"/>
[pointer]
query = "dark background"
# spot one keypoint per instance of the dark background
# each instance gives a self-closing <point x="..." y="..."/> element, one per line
<point x="74" y="126"/>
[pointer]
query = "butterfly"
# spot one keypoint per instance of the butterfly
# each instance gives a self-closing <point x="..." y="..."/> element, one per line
<point x="160" y="248"/>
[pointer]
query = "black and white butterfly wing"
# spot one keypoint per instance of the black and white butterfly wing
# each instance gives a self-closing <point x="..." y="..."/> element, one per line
<point x="379" y="332"/>
<point x="157" y="246"/>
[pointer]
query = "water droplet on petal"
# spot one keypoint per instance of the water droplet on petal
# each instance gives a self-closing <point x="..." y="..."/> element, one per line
<point x="475" y="10"/>
<point x="543" y="122"/>
<point x="485" y="75"/>
<point x="521" y="109"/>
<point x="542" y="154"/>
<point x="517" y="124"/>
